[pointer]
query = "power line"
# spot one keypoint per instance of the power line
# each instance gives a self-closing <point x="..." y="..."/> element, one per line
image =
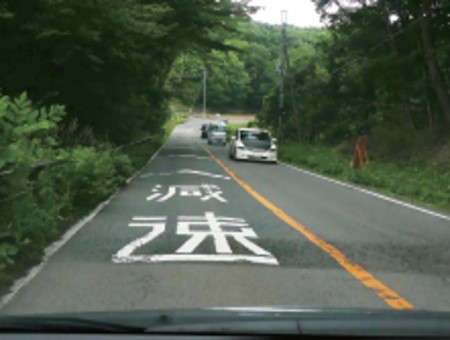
<point x="348" y="37"/>
<point x="376" y="47"/>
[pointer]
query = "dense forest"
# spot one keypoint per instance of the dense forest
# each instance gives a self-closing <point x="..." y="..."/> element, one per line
<point x="383" y="65"/>
<point x="105" y="61"/>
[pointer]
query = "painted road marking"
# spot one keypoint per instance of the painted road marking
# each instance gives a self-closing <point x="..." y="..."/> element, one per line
<point x="202" y="173"/>
<point x="389" y="296"/>
<point x="371" y="193"/>
<point x="240" y="232"/>
<point x="157" y="224"/>
<point x="188" y="156"/>
<point x="267" y="260"/>
<point x="204" y="192"/>
<point x="187" y="172"/>
<point x="199" y="229"/>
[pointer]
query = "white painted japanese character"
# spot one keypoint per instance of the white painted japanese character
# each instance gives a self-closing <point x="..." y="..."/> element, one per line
<point x="219" y="228"/>
<point x="204" y="191"/>
<point x="199" y="228"/>
<point x="157" y="225"/>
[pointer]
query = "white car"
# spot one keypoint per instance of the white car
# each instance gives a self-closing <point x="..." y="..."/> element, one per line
<point x="217" y="134"/>
<point x="253" y="144"/>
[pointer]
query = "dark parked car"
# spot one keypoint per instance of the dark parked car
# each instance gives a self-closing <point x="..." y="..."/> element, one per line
<point x="204" y="131"/>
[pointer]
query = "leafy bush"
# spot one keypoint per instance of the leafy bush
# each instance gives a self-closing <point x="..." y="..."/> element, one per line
<point x="35" y="200"/>
<point x="89" y="177"/>
<point x="26" y="135"/>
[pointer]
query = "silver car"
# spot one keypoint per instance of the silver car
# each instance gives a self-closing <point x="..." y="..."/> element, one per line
<point x="253" y="144"/>
<point x="217" y="134"/>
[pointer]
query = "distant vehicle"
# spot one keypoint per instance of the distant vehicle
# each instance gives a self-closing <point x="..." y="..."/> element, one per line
<point x="204" y="131"/>
<point x="253" y="144"/>
<point x="217" y="134"/>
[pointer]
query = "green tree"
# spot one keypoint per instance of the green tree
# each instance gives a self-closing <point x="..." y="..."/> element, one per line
<point x="227" y="81"/>
<point x="106" y="61"/>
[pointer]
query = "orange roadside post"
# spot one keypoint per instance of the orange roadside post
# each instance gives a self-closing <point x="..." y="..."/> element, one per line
<point x="361" y="155"/>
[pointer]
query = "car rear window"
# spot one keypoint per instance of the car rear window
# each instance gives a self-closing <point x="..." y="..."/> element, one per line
<point x="255" y="135"/>
<point x="219" y="128"/>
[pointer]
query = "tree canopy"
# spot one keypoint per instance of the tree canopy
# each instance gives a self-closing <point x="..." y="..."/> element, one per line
<point x="115" y="65"/>
<point x="381" y="64"/>
<point x="107" y="61"/>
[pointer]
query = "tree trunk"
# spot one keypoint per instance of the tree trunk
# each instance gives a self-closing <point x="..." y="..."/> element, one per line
<point x="399" y="75"/>
<point x="436" y="77"/>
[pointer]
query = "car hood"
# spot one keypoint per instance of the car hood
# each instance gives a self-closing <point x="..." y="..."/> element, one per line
<point x="240" y="320"/>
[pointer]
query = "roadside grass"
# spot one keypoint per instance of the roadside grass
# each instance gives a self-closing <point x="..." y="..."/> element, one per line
<point x="175" y="119"/>
<point x="422" y="183"/>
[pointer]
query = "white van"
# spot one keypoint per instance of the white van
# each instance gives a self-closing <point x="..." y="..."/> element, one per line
<point x="217" y="134"/>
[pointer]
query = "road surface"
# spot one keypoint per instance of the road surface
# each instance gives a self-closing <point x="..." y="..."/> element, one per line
<point x="195" y="229"/>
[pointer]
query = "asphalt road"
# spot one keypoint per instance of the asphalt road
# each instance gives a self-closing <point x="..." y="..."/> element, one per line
<point x="189" y="232"/>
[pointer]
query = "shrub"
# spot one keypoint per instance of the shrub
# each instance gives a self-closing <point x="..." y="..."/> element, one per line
<point x="34" y="201"/>
<point x="92" y="176"/>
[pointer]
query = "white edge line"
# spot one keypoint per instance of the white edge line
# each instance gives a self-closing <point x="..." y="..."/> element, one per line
<point x="151" y="160"/>
<point x="51" y="249"/>
<point x="158" y="218"/>
<point x="371" y="193"/>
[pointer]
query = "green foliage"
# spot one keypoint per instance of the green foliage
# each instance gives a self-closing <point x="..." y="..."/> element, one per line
<point x="26" y="136"/>
<point x="34" y="201"/>
<point x="370" y="67"/>
<point x="424" y="183"/>
<point x="106" y="61"/>
<point x="91" y="176"/>
<point x="228" y="81"/>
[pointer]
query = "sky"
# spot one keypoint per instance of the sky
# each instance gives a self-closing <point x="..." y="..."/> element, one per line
<point x="301" y="13"/>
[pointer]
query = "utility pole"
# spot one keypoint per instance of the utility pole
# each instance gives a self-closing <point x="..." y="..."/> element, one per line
<point x="283" y="49"/>
<point x="205" y="76"/>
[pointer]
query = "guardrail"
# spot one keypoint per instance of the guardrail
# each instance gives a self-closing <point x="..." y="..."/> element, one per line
<point x="129" y="145"/>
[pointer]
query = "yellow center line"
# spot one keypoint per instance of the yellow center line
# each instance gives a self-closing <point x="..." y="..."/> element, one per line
<point x="392" y="298"/>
